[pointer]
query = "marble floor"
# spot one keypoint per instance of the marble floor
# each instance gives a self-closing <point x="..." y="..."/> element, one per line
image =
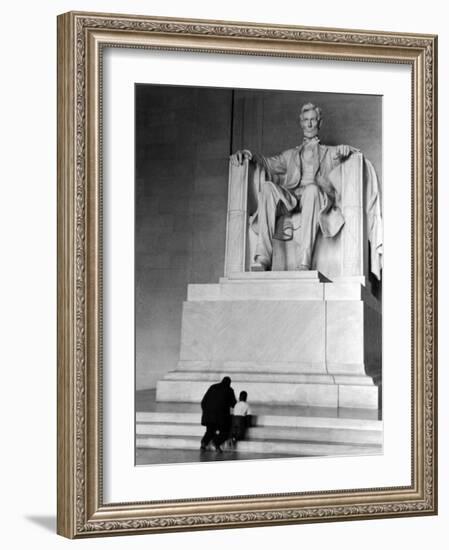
<point x="179" y="456"/>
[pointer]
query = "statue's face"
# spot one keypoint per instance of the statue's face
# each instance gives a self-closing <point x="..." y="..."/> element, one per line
<point x="310" y="123"/>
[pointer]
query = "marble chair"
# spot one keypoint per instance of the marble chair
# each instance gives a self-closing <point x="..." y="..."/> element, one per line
<point x="344" y="256"/>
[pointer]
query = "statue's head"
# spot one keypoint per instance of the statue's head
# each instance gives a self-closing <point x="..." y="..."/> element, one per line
<point x="310" y="120"/>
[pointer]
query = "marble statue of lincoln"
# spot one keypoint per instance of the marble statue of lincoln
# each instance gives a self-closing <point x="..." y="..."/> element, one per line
<point x="297" y="178"/>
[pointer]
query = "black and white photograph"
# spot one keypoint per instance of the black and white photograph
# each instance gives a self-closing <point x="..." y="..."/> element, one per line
<point x="224" y="236"/>
<point x="258" y="274"/>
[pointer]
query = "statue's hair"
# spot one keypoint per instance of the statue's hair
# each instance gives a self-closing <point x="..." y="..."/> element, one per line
<point x="310" y="107"/>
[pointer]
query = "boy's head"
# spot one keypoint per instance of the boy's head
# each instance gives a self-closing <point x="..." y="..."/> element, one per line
<point x="243" y="395"/>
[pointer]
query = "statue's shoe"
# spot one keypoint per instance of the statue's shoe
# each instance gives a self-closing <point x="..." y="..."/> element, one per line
<point x="261" y="263"/>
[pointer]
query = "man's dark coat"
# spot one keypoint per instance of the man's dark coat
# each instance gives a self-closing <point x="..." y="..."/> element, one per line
<point x="216" y="405"/>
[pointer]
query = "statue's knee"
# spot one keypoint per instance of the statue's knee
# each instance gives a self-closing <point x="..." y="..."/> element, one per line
<point x="311" y="189"/>
<point x="310" y="192"/>
<point x="267" y="188"/>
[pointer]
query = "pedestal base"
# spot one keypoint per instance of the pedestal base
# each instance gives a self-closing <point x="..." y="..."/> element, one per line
<point x="290" y="338"/>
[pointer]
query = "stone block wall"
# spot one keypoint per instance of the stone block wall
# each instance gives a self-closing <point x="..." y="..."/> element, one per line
<point x="183" y="141"/>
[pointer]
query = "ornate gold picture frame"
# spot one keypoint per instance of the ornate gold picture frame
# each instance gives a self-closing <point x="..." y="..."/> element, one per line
<point x="82" y="41"/>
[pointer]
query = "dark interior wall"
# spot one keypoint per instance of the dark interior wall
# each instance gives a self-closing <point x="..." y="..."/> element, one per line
<point x="183" y="141"/>
<point x="182" y="150"/>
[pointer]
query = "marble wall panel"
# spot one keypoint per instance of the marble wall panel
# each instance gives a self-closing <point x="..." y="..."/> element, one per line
<point x="254" y="331"/>
<point x="358" y="397"/>
<point x="199" y="327"/>
<point x="292" y="367"/>
<point x="342" y="291"/>
<point x="344" y="337"/>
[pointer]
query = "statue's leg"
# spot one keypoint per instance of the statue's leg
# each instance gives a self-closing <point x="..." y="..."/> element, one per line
<point x="311" y="202"/>
<point x="270" y="195"/>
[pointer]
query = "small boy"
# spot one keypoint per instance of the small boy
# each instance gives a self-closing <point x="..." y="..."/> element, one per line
<point x="241" y="418"/>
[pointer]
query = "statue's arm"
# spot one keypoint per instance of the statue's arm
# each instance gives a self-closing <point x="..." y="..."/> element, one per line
<point x="273" y="165"/>
<point x="336" y="155"/>
<point x="342" y="152"/>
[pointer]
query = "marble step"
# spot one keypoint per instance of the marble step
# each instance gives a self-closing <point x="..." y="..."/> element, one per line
<point x="258" y="290"/>
<point x="311" y="275"/>
<point x="305" y="276"/>
<point x="214" y="376"/>
<point x="269" y="420"/>
<point x="310" y="394"/>
<point x="281" y="447"/>
<point x="334" y="435"/>
<point x="291" y="289"/>
<point x="272" y="367"/>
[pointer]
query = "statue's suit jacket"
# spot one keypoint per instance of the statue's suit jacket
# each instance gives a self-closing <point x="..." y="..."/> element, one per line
<point x="285" y="171"/>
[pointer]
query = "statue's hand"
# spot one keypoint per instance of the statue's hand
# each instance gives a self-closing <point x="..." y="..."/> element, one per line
<point x="343" y="152"/>
<point x="238" y="157"/>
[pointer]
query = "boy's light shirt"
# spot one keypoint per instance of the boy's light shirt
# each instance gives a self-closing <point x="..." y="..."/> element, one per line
<point x="242" y="409"/>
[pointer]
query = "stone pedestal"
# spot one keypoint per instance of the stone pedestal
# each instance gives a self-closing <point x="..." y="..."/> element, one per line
<point x="290" y="338"/>
<point x="286" y="337"/>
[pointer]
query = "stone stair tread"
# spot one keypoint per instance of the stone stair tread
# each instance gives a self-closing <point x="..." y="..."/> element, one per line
<point x="314" y="393"/>
<point x="267" y="421"/>
<point x="263" y="377"/>
<point x="260" y="429"/>
<point x="313" y="275"/>
<point x="283" y="440"/>
<point x="270" y="367"/>
<point x="218" y="373"/>
<point x="168" y="418"/>
<point x="319" y="422"/>
<point x="260" y="440"/>
<point x="146" y="402"/>
<point x="258" y="433"/>
<point x="322" y="382"/>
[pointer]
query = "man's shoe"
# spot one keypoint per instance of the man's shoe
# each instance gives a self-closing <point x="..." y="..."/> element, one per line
<point x="218" y="449"/>
<point x="203" y="448"/>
